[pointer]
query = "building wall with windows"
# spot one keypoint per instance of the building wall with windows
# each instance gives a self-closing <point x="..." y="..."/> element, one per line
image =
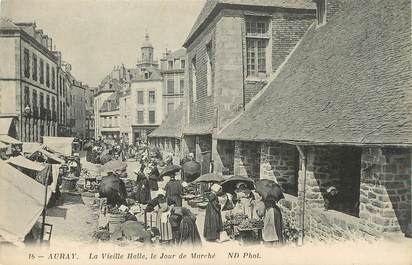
<point x="172" y="69"/>
<point x="231" y="59"/>
<point x="28" y="79"/>
<point x="78" y="108"/>
<point x="147" y="111"/>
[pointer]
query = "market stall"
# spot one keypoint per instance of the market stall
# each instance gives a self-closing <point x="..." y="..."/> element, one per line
<point x="22" y="204"/>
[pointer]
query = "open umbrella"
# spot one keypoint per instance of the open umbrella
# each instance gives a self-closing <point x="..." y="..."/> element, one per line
<point x="170" y="170"/>
<point x="229" y="185"/>
<point x="209" y="177"/>
<point x="191" y="167"/>
<point x="113" y="165"/>
<point x="267" y="187"/>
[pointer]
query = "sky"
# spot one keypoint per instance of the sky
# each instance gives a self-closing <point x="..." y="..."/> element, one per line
<point x="95" y="35"/>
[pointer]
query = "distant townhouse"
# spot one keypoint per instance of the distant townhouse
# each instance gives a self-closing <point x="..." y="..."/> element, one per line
<point x="28" y="81"/>
<point x="172" y="70"/>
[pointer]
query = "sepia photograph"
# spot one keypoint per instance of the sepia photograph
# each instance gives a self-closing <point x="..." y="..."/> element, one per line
<point x="206" y="132"/>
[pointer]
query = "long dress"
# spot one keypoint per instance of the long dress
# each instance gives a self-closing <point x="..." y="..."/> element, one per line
<point x="154" y="178"/>
<point x="143" y="190"/>
<point x="189" y="234"/>
<point x="174" y="189"/>
<point x="163" y="224"/>
<point x="272" y="225"/>
<point x="213" y="219"/>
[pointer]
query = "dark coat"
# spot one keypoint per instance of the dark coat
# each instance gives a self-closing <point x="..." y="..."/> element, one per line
<point x="143" y="190"/>
<point x="174" y="190"/>
<point x="213" y="219"/>
<point x="188" y="232"/>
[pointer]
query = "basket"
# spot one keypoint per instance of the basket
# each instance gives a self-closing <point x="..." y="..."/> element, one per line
<point x="115" y="220"/>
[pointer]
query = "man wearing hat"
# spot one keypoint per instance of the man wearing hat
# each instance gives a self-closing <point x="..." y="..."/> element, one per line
<point x="174" y="190"/>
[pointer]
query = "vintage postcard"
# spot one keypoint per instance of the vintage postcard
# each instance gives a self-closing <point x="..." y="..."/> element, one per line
<point x="205" y="132"/>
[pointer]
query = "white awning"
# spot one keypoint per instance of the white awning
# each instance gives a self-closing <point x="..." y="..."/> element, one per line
<point x="21" y="203"/>
<point x="21" y="161"/>
<point x="5" y="125"/>
<point x="9" y="140"/>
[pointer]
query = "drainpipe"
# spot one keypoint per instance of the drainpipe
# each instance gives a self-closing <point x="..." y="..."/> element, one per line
<point x="243" y="38"/>
<point x="302" y="155"/>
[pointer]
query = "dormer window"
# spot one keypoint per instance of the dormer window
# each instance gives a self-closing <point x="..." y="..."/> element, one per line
<point x="321" y="6"/>
<point x="170" y="65"/>
<point x="147" y="75"/>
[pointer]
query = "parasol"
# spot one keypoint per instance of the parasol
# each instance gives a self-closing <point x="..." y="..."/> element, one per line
<point x="209" y="177"/>
<point x="267" y="187"/>
<point x="191" y="167"/>
<point x="113" y="165"/>
<point x="229" y="184"/>
<point x="170" y="170"/>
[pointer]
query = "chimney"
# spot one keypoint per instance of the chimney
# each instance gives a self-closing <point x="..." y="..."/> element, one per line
<point x="45" y="40"/>
<point x="50" y="44"/>
<point x="326" y="10"/>
<point x="39" y="36"/>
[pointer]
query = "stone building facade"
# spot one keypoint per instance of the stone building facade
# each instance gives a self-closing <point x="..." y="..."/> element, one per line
<point x="28" y="80"/>
<point x="223" y="71"/>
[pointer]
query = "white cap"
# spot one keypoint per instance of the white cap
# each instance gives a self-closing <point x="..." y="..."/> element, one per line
<point x="161" y="192"/>
<point x="184" y="184"/>
<point x="216" y="188"/>
<point x="331" y="188"/>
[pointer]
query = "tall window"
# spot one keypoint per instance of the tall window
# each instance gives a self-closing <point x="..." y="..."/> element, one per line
<point x="34" y="99"/>
<point x="152" y="117"/>
<point x="26" y="59"/>
<point x="182" y="86"/>
<point x="34" y="66"/>
<point x="170" y="86"/>
<point x="194" y="87"/>
<point x="152" y="97"/>
<point x="170" y="65"/>
<point x="47" y="75"/>
<point x="53" y="79"/>
<point x="48" y="102"/>
<point x="41" y="71"/>
<point x="209" y="69"/>
<point x="170" y="107"/>
<point x="182" y="64"/>
<point x="140" y="118"/>
<point x="140" y="97"/>
<point x="257" y="39"/>
<point x="41" y="100"/>
<point x="26" y="96"/>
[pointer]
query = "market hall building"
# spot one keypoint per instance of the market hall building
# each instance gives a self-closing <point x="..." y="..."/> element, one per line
<point x="338" y="113"/>
<point x="334" y="109"/>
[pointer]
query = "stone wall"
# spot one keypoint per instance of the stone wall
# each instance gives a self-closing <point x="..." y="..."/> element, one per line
<point x="247" y="159"/>
<point x="168" y="146"/>
<point x="385" y="195"/>
<point x="280" y="162"/>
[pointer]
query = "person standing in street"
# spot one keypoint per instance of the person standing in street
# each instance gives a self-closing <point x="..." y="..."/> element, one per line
<point x="174" y="190"/>
<point x="272" y="232"/>
<point x="213" y="218"/>
<point x="142" y="194"/>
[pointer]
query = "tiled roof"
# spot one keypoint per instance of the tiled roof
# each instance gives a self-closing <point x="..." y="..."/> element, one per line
<point x="348" y="81"/>
<point x="172" y="126"/>
<point x="198" y="129"/>
<point x="181" y="53"/>
<point x="111" y="103"/>
<point x="212" y="5"/>
<point x="139" y="75"/>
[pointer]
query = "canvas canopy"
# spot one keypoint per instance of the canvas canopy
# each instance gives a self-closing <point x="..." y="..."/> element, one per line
<point x="9" y="140"/>
<point x="50" y="155"/>
<point x="29" y="148"/>
<point x="3" y="145"/>
<point x="21" y="203"/>
<point x="5" y="124"/>
<point x="62" y="145"/>
<point x="21" y="161"/>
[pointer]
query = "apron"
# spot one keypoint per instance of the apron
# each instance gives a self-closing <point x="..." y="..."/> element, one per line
<point x="269" y="231"/>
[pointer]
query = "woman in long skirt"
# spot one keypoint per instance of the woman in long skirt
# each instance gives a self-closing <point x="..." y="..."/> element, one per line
<point x="272" y="222"/>
<point x="213" y="219"/>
